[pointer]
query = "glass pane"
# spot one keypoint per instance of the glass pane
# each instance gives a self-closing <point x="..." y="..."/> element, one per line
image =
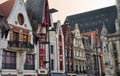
<point x="7" y="59"/>
<point x="12" y="60"/>
<point x="8" y="53"/>
<point x="3" y="59"/>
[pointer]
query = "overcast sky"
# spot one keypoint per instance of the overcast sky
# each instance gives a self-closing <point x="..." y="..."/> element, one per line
<point x="70" y="7"/>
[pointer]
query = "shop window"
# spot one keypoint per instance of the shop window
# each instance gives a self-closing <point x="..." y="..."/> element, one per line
<point x="29" y="63"/>
<point x="8" y="60"/>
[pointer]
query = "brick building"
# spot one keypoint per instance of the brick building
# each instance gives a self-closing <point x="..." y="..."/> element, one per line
<point x="91" y="20"/>
<point x="69" y="52"/>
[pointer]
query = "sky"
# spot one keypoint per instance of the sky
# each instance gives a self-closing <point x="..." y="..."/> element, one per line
<point x="70" y="7"/>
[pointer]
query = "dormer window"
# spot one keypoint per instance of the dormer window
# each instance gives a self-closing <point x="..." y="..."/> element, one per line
<point x="20" y="19"/>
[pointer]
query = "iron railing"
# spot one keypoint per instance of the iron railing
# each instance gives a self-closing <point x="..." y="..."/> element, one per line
<point x="20" y="45"/>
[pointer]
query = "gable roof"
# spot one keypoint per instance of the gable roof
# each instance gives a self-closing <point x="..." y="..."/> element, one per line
<point x="37" y="8"/>
<point x="6" y="8"/>
<point x="91" y="20"/>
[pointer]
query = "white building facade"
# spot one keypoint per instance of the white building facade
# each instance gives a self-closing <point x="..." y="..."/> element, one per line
<point x="17" y="55"/>
<point x="79" y="52"/>
<point x="57" y="51"/>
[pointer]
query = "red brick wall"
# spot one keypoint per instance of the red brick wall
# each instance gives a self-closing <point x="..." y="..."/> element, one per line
<point x="18" y="30"/>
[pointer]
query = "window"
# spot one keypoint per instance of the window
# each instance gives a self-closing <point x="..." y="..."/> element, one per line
<point x="25" y="38"/>
<point x="20" y="19"/>
<point x="60" y="38"/>
<point x="61" y="65"/>
<point x="29" y="63"/>
<point x="76" y="68"/>
<point x="15" y="36"/>
<point x="80" y="68"/>
<point x="114" y="46"/>
<point x="70" y="53"/>
<point x="66" y="52"/>
<point x="42" y="49"/>
<point x="8" y="60"/>
<point x="52" y="64"/>
<point x="60" y="50"/>
<point x="72" y="67"/>
<point x="52" y="50"/>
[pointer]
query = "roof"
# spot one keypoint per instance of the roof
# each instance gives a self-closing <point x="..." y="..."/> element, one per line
<point x="6" y="8"/>
<point x="91" y="20"/>
<point x="36" y="7"/>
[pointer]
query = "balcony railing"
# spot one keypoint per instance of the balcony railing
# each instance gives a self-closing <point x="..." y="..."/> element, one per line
<point x="21" y="46"/>
<point x="29" y="67"/>
<point x="80" y="58"/>
<point x="8" y="65"/>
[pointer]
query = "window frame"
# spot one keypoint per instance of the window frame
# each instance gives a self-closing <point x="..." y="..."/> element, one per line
<point x="31" y="64"/>
<point x="8" y="64"/>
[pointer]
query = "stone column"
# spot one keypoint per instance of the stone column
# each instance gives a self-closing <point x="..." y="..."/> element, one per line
<point x="21" y="60"/>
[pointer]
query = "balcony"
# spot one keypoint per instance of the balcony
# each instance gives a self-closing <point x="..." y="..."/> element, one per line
<point x="20" y="46"/>
<point x="80" y="58"/>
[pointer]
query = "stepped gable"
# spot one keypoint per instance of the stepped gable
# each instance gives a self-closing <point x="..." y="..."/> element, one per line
<point x="91" y="20"/>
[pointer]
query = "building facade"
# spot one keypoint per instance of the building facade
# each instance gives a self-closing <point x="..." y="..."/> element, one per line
<point x="108" y="62"/>
<point x="79" y="52"/>
<point x="69" y="53"/>
<point x="88" y="45"/>
<point x="89" y="21"/>
<point x="17" y="53"/>
<point x="40" y="19"/>
<point x="58" y="56"/>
